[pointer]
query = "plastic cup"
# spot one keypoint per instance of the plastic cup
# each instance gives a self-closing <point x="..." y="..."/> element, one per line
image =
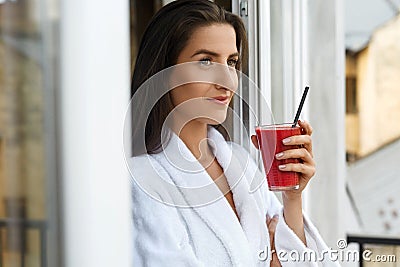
<point x="270" y="142"/>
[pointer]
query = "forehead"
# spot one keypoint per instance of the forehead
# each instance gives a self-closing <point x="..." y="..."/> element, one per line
<point x="220" y="38"/>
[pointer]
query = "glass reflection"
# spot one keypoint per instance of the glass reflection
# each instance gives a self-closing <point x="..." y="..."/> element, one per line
<point x="24" y="175"/>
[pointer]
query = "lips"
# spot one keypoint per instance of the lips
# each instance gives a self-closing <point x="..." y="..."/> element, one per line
<point x="223" y="100"/>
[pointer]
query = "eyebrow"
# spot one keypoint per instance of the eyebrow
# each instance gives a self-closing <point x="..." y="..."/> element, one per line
<point x="211" y="53"/>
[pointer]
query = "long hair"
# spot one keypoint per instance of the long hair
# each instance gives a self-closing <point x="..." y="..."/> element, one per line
<point x="165" y="37"/>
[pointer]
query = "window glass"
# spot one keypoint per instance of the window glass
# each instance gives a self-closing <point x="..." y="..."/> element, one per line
<point x="28" y="201"/>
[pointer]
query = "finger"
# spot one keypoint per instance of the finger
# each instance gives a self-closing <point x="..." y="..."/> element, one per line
<point x="254" y="140"/>
<point x="275" y="261"/>
<point x="268" y="219"/>
<point x="306" y="170"/>
<point x="306" y="127"/>
<point x="271" y="230"/>
<point x="297" y="140"/>
<point x="298" y="153"/>
<point x="273" y="223"/>
<point x="300" y="140"/>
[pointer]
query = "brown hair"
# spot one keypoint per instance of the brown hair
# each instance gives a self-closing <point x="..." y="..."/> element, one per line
<point x="165" y="37"/>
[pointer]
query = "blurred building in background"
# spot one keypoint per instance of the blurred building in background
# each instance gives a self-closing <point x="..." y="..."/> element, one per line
<point x="23" y="182"/>
<point x="373" y="86"/>
<point x="32" y="134"/>
<point x="372" y="39"/>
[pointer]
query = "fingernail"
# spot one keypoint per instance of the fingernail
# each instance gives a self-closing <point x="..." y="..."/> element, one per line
<point x="286" y="140"/>
<point x="281" y="167"/>
<point x="276" y="216"/>
<point x="279" y="155"/>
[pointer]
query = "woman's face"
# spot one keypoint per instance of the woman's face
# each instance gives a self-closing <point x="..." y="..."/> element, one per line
<point x="213" y="55"/>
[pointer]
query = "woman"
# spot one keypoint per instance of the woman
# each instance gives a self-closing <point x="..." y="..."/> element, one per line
<point x="178" y="143"/>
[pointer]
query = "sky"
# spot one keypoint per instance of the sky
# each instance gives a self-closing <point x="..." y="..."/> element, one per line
<point x="362" y="17"/>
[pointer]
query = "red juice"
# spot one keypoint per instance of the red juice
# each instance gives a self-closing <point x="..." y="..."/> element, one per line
<point x="270" y="141"/>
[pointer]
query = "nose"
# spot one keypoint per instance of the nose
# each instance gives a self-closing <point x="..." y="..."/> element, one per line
<point x="226" y="77"/>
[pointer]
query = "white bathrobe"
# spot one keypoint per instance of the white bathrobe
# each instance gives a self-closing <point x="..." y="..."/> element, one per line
<point x="177" y="224"/>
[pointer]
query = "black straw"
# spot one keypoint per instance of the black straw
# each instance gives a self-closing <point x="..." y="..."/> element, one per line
<point x="303" y="99"/>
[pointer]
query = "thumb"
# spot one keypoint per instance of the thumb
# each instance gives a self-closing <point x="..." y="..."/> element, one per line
<point x="271" y="229"/>
<point x="254" y="140"/>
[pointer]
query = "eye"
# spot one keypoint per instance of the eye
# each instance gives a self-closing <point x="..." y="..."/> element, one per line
<point x="205" y="62"/>
<point x="232" y="62"/>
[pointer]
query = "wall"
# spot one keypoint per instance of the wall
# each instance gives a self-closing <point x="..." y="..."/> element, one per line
<point x="327" y="115"/>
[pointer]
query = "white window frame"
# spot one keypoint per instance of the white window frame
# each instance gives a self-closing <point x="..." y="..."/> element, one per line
<point x="94" y="97"/>
<point x="294" y="62"/>
<point x="293" y="38"/>
<point x="250" y="19"/>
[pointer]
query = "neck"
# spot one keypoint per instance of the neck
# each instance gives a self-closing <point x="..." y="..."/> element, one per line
<point x="194" y="135"/>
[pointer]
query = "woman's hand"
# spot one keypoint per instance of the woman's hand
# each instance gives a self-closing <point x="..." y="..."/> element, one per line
<point x="306" y="167"/>
<point x="292" y="203"/>
<point x="271" y="224"/>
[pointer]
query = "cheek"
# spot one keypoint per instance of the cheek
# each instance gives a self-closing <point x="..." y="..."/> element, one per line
<point x="187" y="92"/>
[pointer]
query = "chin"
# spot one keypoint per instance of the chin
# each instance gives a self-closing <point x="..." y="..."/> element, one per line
<point x="215" y="120"/>
<point x="208" y="115"/>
